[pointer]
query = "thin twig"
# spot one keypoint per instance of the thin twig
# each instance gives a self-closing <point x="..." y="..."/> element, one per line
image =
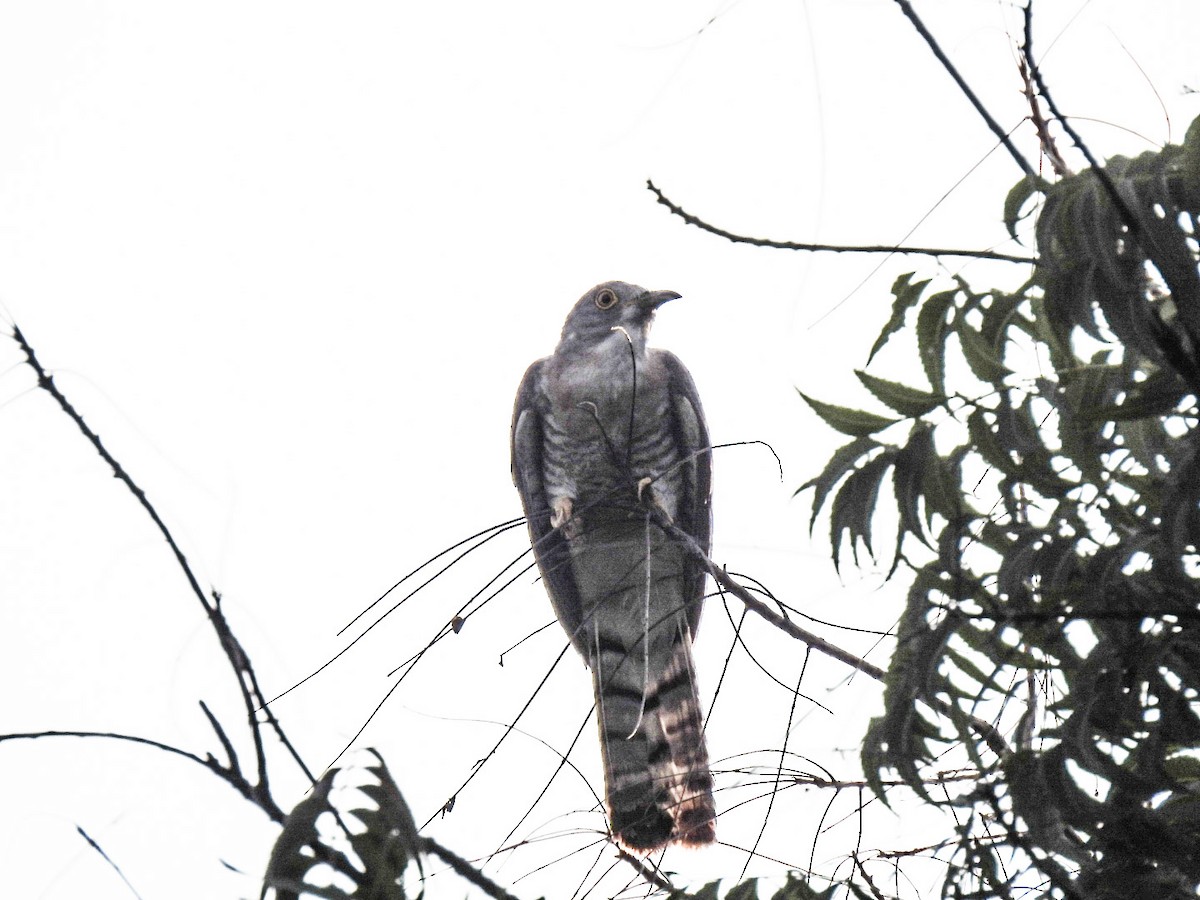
<point x="232" y="777"/>
<point x="647" y="871"/>
<point x="986" y="730"/>
<point x="830" y="248"/>
<point x="478" y="766"/>
<point x="104" y="856"/>
<point x="464" y="869"/>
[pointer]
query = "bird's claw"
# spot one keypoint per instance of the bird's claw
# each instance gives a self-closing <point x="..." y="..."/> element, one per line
<point x="645" y="486"/>
<point x="562" y="517"/>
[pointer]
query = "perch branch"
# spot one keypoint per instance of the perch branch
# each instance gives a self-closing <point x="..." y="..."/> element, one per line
<point x="986" y="730"/>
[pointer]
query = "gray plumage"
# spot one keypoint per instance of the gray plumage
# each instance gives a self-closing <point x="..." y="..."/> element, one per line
<point x="600" y="428"/>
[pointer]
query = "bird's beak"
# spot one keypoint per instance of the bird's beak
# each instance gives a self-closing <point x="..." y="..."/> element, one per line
<point x="652" y="300"/>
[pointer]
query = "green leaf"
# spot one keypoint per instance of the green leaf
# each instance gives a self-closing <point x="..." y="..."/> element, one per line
<point x="385" y="849"/>
<point x="1055" y="335"/>
<point x="1189" y="163"/>
<point x="942" y="487"/>
<point x="1183" y="767"/>
<point x="391" y="842"/>
<point x="1001" y="313"/>
<point x="985" y="440"/>
<point x="1143" y="441"/>
<point x="747" y="890"/>
<point x="932" y="328"/>
<point x="983" y="358"/>
<point x="907" y="293"/>
<point x="708" y="892"/>
<point x="854" y="507"/>
<point x="1018" y="195"/>
<point x="843" y="460"/>
<point x="909" y="479"/>
<point x="797" y="888"/>
<point x="1019" y="431"/>
<point x="289" y="861"/>
<point x="854" y="422"/>
<point x="907" y="401"/>
<point x="1158" y="395"/>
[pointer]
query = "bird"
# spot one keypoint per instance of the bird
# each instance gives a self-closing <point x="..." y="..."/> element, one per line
<point x="605" y="430"/>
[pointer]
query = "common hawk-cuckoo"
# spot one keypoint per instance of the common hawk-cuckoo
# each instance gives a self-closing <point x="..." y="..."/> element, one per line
<point x="601" y="428"/>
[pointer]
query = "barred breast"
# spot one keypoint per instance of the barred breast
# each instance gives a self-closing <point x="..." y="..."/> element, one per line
<point x="606" y="428"/>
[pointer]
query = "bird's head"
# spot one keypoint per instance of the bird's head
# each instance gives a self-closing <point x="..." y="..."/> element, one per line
<point x="612" y="307"/>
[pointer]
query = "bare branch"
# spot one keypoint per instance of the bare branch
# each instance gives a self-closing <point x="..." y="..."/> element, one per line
<point x="986" y="730"/>
<point x="254" y="793"/>
<point x="911" y="15"/>
<point x="830" y="248"/>
<point x="1045" y="138"/>
<point x="464" y="869"/>
<point x="651" y="873"/>
<point x="252" y="697"/>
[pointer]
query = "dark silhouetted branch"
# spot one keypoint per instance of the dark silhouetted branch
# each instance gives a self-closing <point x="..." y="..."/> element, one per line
<point x="911" y="15"/>
<point x="647" y="871"/>
<point x="252" y="697"/>
<point x="986" y="730"/>
<point x="464" y="869"/>
<point x="254" y="793"/>
<point x="829" y="248"/>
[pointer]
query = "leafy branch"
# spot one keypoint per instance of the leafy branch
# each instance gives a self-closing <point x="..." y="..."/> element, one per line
<point x="1051" y="523"/>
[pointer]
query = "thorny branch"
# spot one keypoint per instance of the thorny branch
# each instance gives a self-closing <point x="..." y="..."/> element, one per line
<point x="1040" y="125"/>
<point x="831" y="248"/>
<point x="252" y="697"/>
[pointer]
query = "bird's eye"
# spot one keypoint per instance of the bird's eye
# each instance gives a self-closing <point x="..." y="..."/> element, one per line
<point x="606" y="299"/>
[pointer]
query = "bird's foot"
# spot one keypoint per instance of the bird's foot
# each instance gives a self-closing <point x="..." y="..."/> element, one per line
<point x="562" y="517"/>
<point x="647" y="497"/>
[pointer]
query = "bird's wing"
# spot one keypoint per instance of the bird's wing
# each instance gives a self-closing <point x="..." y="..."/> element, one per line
<point x="694" y="514"/>
<point x="549" y="546"/>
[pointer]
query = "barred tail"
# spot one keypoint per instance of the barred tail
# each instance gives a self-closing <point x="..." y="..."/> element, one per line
<point x="682" y="724"/>
<point x="658" y="785"/>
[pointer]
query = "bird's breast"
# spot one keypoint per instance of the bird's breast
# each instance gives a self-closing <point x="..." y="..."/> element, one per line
<point x="607" y="424"/>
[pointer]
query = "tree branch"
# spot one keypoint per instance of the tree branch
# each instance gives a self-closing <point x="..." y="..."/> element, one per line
<point x="464" y="869"/>
<point x="1185" y="291"/>
<point x="830" y="248"/>
<point x="230" y="776"/>
<point x="911" y="15"/>
<point x="252" y="697"/>
<point x="647" y="871"/>
<point x="994" y="739"/>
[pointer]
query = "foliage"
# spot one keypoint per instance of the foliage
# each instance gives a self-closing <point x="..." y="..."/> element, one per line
<point x="1050" y="472"/>
<point x="796" y="888"/>
<point x="371" y="847"/>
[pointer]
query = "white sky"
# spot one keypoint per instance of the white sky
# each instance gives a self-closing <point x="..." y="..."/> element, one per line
<point x="290" y="260"/>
